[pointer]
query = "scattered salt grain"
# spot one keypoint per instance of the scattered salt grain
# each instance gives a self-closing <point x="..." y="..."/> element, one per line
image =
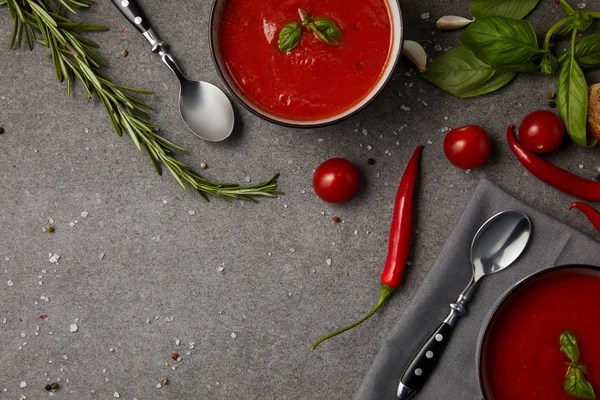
<point x="100" y="256"/>
<point x="356" y="232"/>
<point x="233" y="335"/>
<point x="116" y="395"/>
<point x="71" y="223"/>
<point x="425" y="15"/>
<point x="177" y="342"/>
<point x="23" y="385"/>
<point x="369" y="147"/>
<point x="429" y="142"/>
<point x="437" y="47"/>
<point x="247" y="179"/>
<point x="54" y="258"/>
<point x="73" y="328"/>
<point x="328" y="261"/>
<point x="220" y="269"/>
<point x="580" y="166"/>
<point x="10" y="283"/>
<point x="84" y="214"/>
<point x="292" y="250"/>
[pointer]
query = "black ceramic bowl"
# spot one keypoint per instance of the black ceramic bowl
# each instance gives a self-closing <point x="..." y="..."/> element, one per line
<point x="490" y="321"/>
<point x="393" y="57"/>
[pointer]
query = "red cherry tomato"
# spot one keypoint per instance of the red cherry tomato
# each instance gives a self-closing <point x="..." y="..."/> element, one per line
<point x="541" y="131"/>
<point x="467" y="147"/>
<point x="335" y="180"/>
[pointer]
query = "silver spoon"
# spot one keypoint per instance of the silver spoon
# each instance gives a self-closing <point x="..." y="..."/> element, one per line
<point x="205" y="109"/>
<point x="498" y="243"/>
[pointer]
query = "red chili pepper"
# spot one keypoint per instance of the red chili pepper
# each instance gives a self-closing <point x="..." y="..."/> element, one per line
<point x="589" y="211"/>
<point x="399" y="243"/>
<point x="560" y="179"/>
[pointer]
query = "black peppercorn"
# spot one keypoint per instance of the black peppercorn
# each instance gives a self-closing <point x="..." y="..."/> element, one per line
<point x="552" y="104"/>
<point x="48" y="387"/>
<point x="371" y="161"/>
<point x="1" y="130"/>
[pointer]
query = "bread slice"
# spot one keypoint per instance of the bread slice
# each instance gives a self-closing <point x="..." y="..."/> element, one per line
<point x="593" y="119"/>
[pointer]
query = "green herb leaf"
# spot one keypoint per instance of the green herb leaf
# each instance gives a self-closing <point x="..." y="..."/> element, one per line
<point x="502" y="42"/>
<point x="569" y="346"/>
<point x="587" y="52"/>
<point x="289" y="36"/>
<point x="583" y="20"/>
<point x="515" y="9"/>
<point x="549" y="64"/>
<point x="460" y="73"/>
<point x="573" y="101"/>
<point x="576" y="385"/>
<point x="325" y="29"/>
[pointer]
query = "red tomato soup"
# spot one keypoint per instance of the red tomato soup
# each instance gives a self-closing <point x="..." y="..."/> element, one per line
<point x="314" y="80"/>
<point x="522" y="358"/>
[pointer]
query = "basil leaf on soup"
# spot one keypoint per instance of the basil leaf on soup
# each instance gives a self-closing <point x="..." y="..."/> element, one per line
<point x="502" y="42"/>
<point x="573" y="101"/>
<point x="569" y="346"/>
<point x="587" y="52"/>
<point x="289" y="36"/>
<point x="515" y="9"/>
<point x="576" y="385"/>
<point x="460" y="73"/>
<point x="325" y="29"/>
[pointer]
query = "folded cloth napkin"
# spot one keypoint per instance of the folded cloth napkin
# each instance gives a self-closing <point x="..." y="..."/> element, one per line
<point x="455" y="378"/>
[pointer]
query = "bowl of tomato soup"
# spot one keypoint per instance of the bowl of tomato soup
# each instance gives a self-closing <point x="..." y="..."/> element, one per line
<point x="519" y="352"/>
<point x="316" y="83"/>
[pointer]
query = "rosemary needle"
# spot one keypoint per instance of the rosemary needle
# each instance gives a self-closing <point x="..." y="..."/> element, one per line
<point x="75" y="57"/>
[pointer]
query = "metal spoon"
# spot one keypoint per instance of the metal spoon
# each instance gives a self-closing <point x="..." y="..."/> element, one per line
<point x="205" y="109"/>
<point x="495" y="246"/>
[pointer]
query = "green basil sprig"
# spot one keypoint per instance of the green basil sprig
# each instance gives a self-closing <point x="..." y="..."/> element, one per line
<point x="326" y="30"/>
<point x="573" y="98"/>
<point x="515" y="9"/>
<point x="575" y="383"/>
<point x="462" y="74"/>
<point x="502" y="42"/>
<point x="505" y="45"/>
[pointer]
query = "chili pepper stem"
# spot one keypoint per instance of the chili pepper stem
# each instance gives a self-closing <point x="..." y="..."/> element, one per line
<point x="385" y="293"/>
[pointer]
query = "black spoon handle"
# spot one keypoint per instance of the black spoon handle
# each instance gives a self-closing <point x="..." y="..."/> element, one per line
<point x="135" y="15"/>
<point x="425" y="360"/>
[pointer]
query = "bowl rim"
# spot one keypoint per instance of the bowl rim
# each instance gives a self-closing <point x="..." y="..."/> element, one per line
<point x="501" y="300"/>
<point x="333" y="120"/>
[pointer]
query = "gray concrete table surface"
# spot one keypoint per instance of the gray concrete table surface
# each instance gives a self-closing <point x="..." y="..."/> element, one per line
<point x="245" y="331"/>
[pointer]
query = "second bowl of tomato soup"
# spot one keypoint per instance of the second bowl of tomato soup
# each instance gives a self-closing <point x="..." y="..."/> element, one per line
<point x="305" y="63"/>
<point x="540" y="342"/>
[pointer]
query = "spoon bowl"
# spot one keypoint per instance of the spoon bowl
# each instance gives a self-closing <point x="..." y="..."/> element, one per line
<point x="499" y="242"/>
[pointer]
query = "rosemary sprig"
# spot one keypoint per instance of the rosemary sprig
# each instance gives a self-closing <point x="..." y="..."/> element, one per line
<point x="75" y="57"/>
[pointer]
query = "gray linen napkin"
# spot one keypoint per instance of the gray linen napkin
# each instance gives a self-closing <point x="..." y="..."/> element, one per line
<point x="455" y="378"/>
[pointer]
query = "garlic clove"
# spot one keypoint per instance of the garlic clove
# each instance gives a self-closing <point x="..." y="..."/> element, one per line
<point x="450" y="22"/>
<point x="415" y="53"/>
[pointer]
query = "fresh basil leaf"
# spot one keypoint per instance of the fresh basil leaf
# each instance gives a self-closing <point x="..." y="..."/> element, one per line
<point x="502" y="42"/>
<point x="549" y="64"/>
<point x="515" y="9"/>
<point x="289" y="36"/>
<point x="569" y="346"/>
<point x="325" y="29"/>
<point x="583" y="20"/>
<point x="573" y="101"/>
<point x="576" y="385"/>
<point x="587" y="51"/>
<point x="460" y="73"/>
<point x="564" y="31"/>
